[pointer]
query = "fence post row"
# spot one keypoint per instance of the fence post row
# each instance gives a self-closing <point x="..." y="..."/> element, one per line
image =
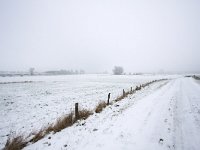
<point x="108" y="101"/>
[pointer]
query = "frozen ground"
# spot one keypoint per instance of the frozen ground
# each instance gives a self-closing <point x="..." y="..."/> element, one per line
<point x="28" y="103"/>
<point x="164" y="116"/>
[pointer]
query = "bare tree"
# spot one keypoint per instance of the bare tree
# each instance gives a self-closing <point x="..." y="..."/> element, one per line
<point x="118" y="70"/>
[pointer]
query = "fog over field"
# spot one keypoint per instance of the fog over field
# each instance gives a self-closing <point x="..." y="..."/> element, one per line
<point x="99" y="74"/>
<point x="95" y="35"/>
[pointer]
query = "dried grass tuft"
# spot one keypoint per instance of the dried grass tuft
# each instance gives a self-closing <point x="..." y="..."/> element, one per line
<point x="38" y="135"/>
<point x="100" y="107"/>
<point x="15" y="143"/>
<point x="61" y="123"/>
<point x="84" y="114"/>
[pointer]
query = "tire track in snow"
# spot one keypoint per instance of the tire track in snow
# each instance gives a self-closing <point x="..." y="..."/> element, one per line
<point x="157" y="130"/>
<point x="187" y="130"/>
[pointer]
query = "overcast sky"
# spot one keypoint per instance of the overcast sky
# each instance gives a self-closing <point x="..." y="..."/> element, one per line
<point x="96" y="35"/>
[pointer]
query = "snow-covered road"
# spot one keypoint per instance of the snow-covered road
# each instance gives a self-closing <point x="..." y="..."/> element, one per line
<point x="163" y="116"/>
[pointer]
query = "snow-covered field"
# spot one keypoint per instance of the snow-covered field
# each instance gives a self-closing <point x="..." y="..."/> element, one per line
<point x="28" y="103"/>
<point x="163" y="116"/>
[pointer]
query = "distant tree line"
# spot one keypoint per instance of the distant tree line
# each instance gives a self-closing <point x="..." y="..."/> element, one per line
<point x="65" y="72"/>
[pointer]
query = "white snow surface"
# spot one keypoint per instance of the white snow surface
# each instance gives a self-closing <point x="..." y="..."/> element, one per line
<point x="28" y="103"/>
<point x="163" y="116"/>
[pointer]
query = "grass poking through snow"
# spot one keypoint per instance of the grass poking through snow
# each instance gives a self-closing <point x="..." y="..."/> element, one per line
<point x="84" y="114"/>
<point x="62" y="123"/>
<point x="100" y="107"/>
<point x="15" y="143"/>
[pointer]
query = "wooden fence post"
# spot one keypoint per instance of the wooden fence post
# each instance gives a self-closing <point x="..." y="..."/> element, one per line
<point x="123" y="93"/>
<point x="76" y="111"/>
<point x="131" y="89"/>
<point x="108" y="99"/>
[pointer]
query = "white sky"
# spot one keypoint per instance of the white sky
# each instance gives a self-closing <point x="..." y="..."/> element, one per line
<point x="96" y="35"/>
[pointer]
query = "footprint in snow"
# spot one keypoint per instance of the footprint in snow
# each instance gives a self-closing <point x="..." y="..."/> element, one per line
<point x="161" y="141"/>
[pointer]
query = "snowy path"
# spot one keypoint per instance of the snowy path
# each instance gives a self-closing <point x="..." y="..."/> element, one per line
<point x="164" y="116"/>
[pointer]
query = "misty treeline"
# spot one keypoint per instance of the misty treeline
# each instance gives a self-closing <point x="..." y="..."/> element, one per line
<point x="66" y="72"/>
